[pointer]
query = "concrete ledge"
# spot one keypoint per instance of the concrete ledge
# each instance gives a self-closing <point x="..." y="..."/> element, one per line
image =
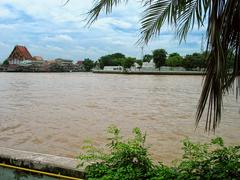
<point x="152" y="73"/>
<point x="42" y="162"/>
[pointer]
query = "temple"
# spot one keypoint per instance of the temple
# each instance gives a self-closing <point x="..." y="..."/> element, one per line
<point x="19" y="54"/>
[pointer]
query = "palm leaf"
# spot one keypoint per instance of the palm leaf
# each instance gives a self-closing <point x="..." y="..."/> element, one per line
<point x="102" y="5"/>
<point x="179" y="13"/>
<point x="223" y="34"/>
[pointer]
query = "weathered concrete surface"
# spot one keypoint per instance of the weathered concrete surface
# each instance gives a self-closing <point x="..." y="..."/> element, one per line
<point x="44" y="162"/>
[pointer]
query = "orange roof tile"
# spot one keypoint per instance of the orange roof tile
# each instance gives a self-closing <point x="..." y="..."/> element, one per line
<point x="21" y="52"/>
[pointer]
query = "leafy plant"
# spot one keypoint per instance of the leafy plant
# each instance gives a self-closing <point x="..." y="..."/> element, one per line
<point x="129" y="159"/>
<point x="159" y="57"/>
<point x="5" y="62"/>
<point x="174" y="60"/>
<point x="111" y="60"/>
<point x="128" y="62"/>
<point x="88" y="64"/>
<point x="147" y="57"/>
<point x="209" y="161"/>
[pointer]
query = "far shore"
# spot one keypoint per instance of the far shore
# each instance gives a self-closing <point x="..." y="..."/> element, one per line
<point x="151" y="72"/>
<point x="121" y="72"/>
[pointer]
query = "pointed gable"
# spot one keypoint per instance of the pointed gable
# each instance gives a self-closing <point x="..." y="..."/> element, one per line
<point x="20" y="53"/>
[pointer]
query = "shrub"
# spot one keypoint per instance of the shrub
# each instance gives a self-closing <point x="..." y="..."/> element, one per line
<point x="209" y="161"/>
<point x="5" y="62"/>
<point x="129" y="159"/>
<point x="174" y="60"/>
<point x="88" y="64"/>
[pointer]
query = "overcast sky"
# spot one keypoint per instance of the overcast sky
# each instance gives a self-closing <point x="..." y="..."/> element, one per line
<point x="51" y="30"/>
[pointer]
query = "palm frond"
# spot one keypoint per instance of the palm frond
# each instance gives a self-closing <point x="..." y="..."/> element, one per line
<point x="179" y="13"/>
<point x="223" y="35"/>
<point x="66" y="2"/>
<point x="153" y="19"/>
<point x="102" y="5"/>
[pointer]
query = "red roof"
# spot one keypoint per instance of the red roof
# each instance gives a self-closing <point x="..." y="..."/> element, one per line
<point x="20" y="52"/>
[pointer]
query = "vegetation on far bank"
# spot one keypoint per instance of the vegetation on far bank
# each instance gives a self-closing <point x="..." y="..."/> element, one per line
<point x="129" y="159"/>
<point x="160" y="58"/>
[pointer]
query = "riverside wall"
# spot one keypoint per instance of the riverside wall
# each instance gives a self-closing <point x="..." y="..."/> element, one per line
<point x="151" y="72"/>
<point x="41" y="162"/>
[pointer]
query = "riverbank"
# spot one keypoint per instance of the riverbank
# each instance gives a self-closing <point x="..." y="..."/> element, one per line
<point x="152" y="72"/>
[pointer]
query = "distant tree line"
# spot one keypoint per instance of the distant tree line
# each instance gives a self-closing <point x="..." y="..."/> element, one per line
<point x="117" y="59"/>
<point x="190" y="61"/>
<point x="160" y="58"/>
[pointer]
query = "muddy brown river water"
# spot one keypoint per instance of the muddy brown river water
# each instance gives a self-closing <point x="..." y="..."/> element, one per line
<point x="55" y="112"/>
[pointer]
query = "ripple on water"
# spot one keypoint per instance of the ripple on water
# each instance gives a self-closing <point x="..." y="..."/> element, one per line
<point x="55" y="113"/>
<point x="5" y="127"/>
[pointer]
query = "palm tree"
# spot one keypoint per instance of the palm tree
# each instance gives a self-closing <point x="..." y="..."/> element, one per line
<point x="223" y="36"/>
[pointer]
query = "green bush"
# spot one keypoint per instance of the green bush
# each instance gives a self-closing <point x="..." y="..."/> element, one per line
<point x="128" y="62"/>
<point x="174" y="60"/>
<point x="209" y="161"/>
<point x="5" y="62"/>
<point x="129" y="159"/>
<point x="88" y="64"/>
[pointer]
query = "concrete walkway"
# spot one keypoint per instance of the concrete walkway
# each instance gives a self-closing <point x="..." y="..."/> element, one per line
<point x="42" y="162"/>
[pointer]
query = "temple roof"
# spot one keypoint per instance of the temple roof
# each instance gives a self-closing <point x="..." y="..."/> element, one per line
<point x="21" y="53"/>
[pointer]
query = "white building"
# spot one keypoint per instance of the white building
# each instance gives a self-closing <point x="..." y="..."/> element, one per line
<point x="148" y="66"/>
<point x="135" y="67"/>
<point x="113" y="68"/>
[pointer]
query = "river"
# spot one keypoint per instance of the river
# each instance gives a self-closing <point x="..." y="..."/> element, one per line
<point x="54" y="113"/>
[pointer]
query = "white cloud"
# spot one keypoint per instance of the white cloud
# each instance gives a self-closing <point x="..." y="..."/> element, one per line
<point x="53" y="11"/>
<point x="54" y="48"/>
<point x="107" y="22"/>
<point x="50" y="29"/>
<point x="6" y="13"/>
<point x="59" y="38"/>
<point x="7" y="27"/>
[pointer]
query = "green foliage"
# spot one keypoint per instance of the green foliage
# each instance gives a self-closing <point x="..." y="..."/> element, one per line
<point x="105" y="61"/>
<point x="174" y="60"/>
<point x="147" y="58"/>
<point x="5" y="63"/>
<point x="209" y="161"/>
<point x="128" y="62"/>
<point x="159" y="57"/>
<point x="111" y="60"/>
<point x="117" y="55"/>
<point x="195" y="60"/>
<point x="117" y="59"/>
<point x="88" y="64"/>
<point x="139" y="62"/>
<point x="129" y="159"/>
<point x="230" y="60"/>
